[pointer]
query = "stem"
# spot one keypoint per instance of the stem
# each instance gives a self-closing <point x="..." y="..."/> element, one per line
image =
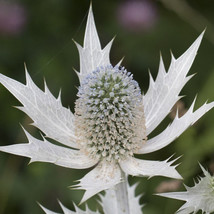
<point x="122" y="196"/>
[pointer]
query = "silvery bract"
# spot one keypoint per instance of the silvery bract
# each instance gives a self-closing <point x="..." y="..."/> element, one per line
<point x="67" y="211"/>
<point x="198" y="197"/>
<point x="109" y="203"/>
<point x="112" y="118"/>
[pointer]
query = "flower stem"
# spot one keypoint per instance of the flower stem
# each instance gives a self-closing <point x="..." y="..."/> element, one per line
<point x="122" y="196"/>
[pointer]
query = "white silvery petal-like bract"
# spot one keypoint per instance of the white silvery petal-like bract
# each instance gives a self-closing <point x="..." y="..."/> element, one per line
<point x="112" y="118"/>
<point x="67" y="211"/>
<point x="109" y="202"/>
<point x="199" y="197"/>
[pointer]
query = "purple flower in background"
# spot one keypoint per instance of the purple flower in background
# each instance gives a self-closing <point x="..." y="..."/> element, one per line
<point x="137" y="15"/>
<point x="12" y="18"/>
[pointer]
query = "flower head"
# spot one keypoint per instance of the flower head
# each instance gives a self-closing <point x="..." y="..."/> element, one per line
<point x="109" y="114"/>
<point x="198" y="197"/>
<point x="112" y="118"/>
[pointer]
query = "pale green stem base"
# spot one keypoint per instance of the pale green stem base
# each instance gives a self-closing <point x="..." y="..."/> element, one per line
<point x="122" y="196"/>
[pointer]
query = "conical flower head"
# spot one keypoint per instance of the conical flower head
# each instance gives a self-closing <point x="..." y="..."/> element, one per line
<point x="109" y="114"/>
<point x="198" y="197"/>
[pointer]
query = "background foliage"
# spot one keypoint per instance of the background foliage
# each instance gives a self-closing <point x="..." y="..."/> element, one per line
<point x="40" y="33"/>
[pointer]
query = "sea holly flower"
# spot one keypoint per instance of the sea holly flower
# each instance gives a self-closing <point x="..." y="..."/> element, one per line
<point x="199" y="197"/>
<point x="112" y="119"/>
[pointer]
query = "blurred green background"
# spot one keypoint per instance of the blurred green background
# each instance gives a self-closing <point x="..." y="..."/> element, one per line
<point x="40" y="33"/>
